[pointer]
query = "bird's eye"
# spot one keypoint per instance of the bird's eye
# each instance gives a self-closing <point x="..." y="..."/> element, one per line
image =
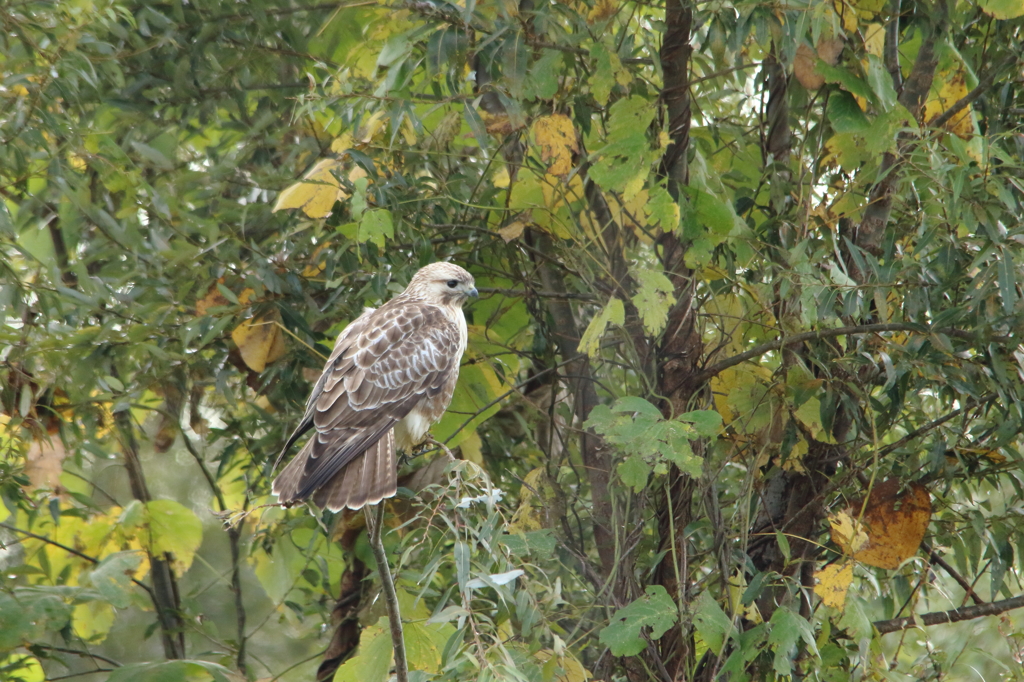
<point x="452" y="283"/>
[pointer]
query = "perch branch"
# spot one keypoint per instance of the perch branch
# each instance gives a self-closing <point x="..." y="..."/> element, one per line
<point x="951" y="616"/>
<point x="375" y="525"/>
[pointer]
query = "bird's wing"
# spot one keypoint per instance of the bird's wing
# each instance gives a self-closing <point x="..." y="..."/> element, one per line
<point x="378" y="372"/>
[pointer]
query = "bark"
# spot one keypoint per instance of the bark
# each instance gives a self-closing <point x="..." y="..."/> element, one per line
<point x="675" y="64"/>
<point x="869" y="235"/>
<point x="165" y="587"/>
<point x="596" y="458"/>
<point x="680" y="349"/>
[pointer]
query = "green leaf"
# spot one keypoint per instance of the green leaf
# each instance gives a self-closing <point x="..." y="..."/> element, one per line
<point x="171" y="671"/>
<point x="663" y="209"/>
<point x="15" y="623"/>
<point x="845" y="79"/>
<point x="626" y="155"/>
<point x="655" y="610"/>
<point x="613" y="313"/>
<point x="654" y="299"/>
<point x="881" y="83"/>
<point x="373" y="657"/>
<point x="112" y="577"/>
<point x="716" y="215"/>
<point x="787" y="628"/>
<point x="424" y="643"/>
<point x="1007" y="282"/>
<point x="536" y="542"/>
<point x="707" y="423"/>
<point x="542" y="82"/>
<point x="1003" y="9"/>
<point x="635" y="404"/>
<point x="462" y="563"/>
<point x="634" y="472"/>
<point x="711" y="621"/>
<point x="375" y="226"/>
<point x="845" y="114"/>
<point x="607" y="72"/>
<point x="175" y="529"/>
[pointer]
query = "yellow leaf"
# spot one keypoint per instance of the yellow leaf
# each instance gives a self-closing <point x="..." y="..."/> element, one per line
<point x="572" y="670"/>
<point x="833" y="584"/>
<point x="848" y="533"/>
<point x="408" y="132"/>
<point x="948" y="88"/>
<point x="1003" y="9"/>
<point x="501" y="178"/>
<point x="341" y="144"/>
<point x="471" y="448"/>
<point x="92" y="620"/>
<point x="316" y="193"/>
<point x="373" y="126"/>
<point x="893" y="525"/>
<point x="874" y="39"/>
<point x="602" y="10"/>
<point x="613" y="313"/>
<point x="260" y="341"/>
<point x="847" y="13"/>
<point x="538" y="503"/>
<point x="556" y="137"/>
<point x="512" y="231"/>
<point x="213" y="299"/>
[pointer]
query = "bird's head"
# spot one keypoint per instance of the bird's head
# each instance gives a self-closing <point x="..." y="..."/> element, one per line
<point x="443" y="283"/>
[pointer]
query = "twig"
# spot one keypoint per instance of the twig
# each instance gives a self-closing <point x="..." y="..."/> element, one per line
<point x="531" y="293"/>
<point x="933" y="424"/>
<point x="69" y="550"/>
<point x="953" y="573"/>
<point x="785" y="342"/>
<point x="951" y="616"/>
<point x="83" y="654"/>
<point x="375" y="525"/>
<point x="984" y="83"/>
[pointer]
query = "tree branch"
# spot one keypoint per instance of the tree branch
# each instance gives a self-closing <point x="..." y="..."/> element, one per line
<point x="951" y="616"/>
<point x="76" y="652"/>
<point x="778" y="344"/>
<point x="953" y="573"/>
<point x="69" y="550"/>
<point x="234" y="538"/>
<point x="375" y="525"/>
<point x="165" y="587"/>
<point x="984" y="83"/>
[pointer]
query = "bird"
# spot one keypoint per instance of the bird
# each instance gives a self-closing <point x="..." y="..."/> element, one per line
<point x="390" y="377"/>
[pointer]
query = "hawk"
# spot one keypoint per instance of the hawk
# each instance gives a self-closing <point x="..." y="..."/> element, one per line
<point x="390" y="377"/>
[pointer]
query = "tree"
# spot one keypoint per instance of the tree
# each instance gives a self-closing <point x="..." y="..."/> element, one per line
<point x="743" y="392"/>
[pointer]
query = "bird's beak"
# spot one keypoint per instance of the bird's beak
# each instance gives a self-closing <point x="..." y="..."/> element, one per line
<point x="473" y="292"/>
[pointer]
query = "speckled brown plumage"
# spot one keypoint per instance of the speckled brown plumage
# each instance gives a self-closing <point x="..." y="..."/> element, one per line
<point x="390" y="377"/>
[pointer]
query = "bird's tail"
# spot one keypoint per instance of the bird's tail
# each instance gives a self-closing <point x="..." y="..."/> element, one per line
<point x="368" y="479"/>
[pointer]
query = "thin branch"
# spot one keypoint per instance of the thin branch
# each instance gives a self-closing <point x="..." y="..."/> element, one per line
<point x="69" y="550"/>
<point x="83" y="654"/>
<point x="984" y="83"/>
<point x="953" y="573"/>
<point x="932" y="424"/>
<point x="951" y="616"/>
<point x="795" y="339"/>
<point x="644" y="61"/>
<point x="234" y="538"/>
<point x="530" y="293"/>
<point x="375" y="524"/>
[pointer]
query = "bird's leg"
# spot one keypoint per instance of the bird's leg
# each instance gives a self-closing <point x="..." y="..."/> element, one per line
<point x="444" y="448"/>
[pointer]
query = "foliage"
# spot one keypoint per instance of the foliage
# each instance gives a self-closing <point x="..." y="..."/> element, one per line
<point x="744" y="384"/>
